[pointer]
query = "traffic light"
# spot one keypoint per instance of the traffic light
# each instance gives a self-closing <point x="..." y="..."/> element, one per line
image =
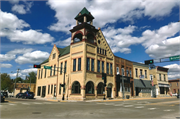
<point x="104" y="78"/>
<point x="37" y="66"/>
<point x="62" y="85"/>
<point x="149" y="61"/>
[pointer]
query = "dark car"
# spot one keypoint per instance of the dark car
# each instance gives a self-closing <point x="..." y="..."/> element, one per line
<point x="178" y="95"/>
<point x="19" y="95"/>
<point x="5" y="94"/>
<point x="2" y="97"/>
<point x="29" y="95"/>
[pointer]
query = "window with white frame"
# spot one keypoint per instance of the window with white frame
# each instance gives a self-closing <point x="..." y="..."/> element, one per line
<point x="117" y="70"/>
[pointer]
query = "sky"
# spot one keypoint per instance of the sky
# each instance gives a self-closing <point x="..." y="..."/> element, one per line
<point x="136" y="30"/>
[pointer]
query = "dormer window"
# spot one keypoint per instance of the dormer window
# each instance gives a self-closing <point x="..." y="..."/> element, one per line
<point x="54" y="55"/>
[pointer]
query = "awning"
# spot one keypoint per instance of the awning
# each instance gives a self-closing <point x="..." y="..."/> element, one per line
<point x="142" y="83"/>
<point x="163" y="85"/>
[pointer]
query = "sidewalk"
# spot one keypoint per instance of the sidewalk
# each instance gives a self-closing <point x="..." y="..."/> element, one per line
<point x="101" y="100"/>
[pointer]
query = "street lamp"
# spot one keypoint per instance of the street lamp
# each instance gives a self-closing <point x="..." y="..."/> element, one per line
<point x="123" y="81"/>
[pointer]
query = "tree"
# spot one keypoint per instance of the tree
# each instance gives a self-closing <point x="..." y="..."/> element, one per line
<point x="32" y="77"/>
<point x="6" y="82"/>
<point x="18" y="79"/>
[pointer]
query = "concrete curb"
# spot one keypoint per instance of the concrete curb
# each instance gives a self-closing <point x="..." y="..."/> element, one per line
<point x="57" y="100"/>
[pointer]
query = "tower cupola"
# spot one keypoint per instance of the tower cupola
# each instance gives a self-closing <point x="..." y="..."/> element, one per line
<point x="84" y="16"/>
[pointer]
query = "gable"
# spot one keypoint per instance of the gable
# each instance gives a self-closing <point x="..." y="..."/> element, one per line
<point x="102" y="43"/>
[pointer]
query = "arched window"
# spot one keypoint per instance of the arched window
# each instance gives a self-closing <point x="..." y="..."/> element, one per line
<point x="90" y="38"/>
<point x="90" y="88"/>
<point x="76" y="87"/>
<point x="77" y="37"/>
<point x="100" y="88"/>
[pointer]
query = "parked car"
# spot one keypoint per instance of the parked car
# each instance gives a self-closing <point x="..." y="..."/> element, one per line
<point x="2" y="97"/>
<point x="5" y="94"/>
<point x="19" y="95"/>
<point x="28" y="95"/>
<point x="178" y="95"/>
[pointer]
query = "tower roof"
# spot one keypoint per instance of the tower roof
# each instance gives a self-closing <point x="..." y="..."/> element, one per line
<point x="84" y="12"/>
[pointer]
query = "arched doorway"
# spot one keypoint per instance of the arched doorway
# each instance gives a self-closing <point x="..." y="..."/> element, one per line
<point x="90" y="88"/>
<point x="109" y="90"/>
<point x="76" y="88"/>
<point x="100" y="88"/>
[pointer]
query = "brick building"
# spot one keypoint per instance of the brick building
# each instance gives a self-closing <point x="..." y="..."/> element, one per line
<point x="174" y="85"/>
<point x="23" y="87"/>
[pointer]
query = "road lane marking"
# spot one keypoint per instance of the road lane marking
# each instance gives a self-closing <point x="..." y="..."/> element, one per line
<point x="140" y="107"/>
<point x="109" y="103"/>
<point x="11" y="104"/>
<point x="128" y="106"/>
<point x="25" y="103"/>
<point x="168" y="110"/>
<point x="37" y="103"/>
<point x="152" y="108"/>
<point x="119" y="105"/>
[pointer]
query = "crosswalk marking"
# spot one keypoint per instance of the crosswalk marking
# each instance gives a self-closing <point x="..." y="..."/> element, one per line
<point x="140" y="107"/>
<point x="37" y="103"/>
<point x="25" y="103"/>
<point x="128" y="106"/>
<point x="11" y="104"/>
<point x="119" y="105"/>
<point x="151" y="108"/>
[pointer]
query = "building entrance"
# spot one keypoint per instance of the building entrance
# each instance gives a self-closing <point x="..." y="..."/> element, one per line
<point x="109" y="90"/>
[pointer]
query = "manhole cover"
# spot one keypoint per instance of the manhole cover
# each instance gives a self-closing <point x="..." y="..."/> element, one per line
<point x="36" y="112"/>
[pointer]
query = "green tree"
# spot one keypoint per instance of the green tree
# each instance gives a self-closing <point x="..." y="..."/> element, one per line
<point x="19" y="79"/>
<point x="6" y="82"/>
<point x="32" y="77"/>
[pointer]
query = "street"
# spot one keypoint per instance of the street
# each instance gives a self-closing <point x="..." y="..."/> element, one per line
<point x="149" y="108"/>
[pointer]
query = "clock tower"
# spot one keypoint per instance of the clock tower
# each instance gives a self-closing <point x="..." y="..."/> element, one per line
<point x="84" y="31"/>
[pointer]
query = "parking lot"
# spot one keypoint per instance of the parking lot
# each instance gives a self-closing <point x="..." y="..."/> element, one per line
<point x="31" y="108"/>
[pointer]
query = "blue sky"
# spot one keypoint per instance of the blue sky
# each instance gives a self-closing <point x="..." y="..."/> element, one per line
<point x="135" y="30"/>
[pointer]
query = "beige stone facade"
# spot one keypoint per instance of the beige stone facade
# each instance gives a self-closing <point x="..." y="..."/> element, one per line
<point x="83" y="61"/>
<point x="142" y="82"/>
<point x="159" y="78"/>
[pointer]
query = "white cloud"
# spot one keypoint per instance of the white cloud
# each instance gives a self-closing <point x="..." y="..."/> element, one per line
<point x="108" y="11"/>
<point x="63" y="43"/>
<point x="33" y="57"/>
<point x="20" y="51"/>
<point x="10" y="22"/>
<point x="11" y="27"/>
<point x="5" y="65"/>
<point x="120" y="39"/>
<point x="19" y="9"/>
<point x="157" y="36"/>
<point x="174" y="71"/>
<point x="167" y="48"/>
<point x="26" y="71"/>
<point x="6" y="57"/>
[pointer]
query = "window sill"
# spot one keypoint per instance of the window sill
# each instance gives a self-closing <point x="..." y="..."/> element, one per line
<point x="52" y="76"/>
<point x="100" y="94"/>
<point x="75" y="94"/>
<point x="90" y="94"/>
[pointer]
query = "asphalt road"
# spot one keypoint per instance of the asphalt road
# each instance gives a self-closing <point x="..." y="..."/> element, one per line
<point x="151" y="108"/>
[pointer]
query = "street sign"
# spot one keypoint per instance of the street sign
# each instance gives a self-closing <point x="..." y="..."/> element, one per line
<point x="47" y="67"/>
<point x="174" y="58"/>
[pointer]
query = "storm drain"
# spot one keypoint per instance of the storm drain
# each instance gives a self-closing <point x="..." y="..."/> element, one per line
<point x="36" y="112"/>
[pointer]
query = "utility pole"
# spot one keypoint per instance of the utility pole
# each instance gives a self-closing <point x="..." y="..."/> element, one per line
<point x="15" y="81"/>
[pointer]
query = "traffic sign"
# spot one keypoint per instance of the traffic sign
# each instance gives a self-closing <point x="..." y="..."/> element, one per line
<point x="47" y="67"/>
<point x="174" y="58"/>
